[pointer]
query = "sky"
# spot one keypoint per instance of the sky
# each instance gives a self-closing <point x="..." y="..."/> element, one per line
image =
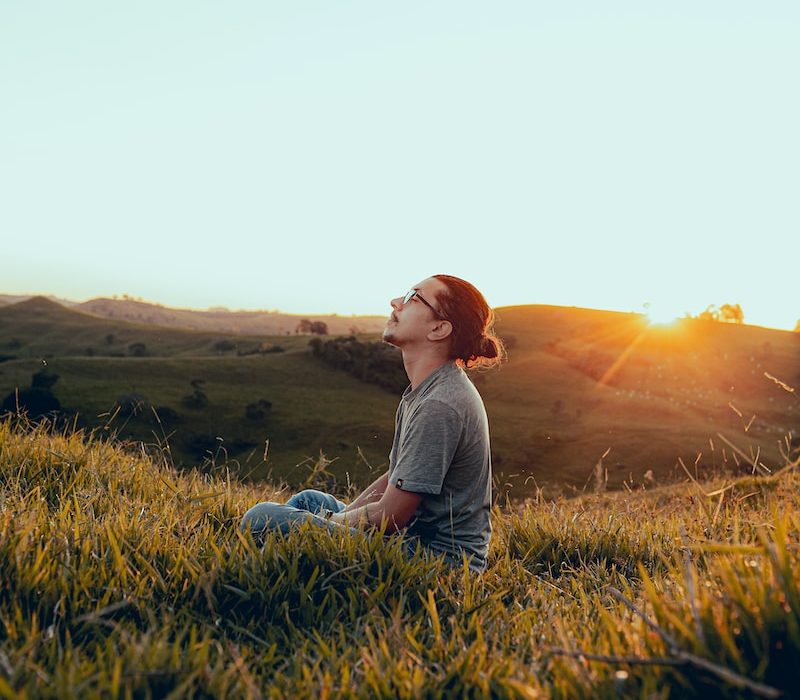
<point x="319" y="157"/>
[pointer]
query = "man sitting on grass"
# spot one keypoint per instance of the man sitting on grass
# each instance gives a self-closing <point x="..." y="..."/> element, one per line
<point x="439" y="484"/>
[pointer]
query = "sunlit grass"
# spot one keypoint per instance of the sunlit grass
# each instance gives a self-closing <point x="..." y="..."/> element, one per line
<point x="124" y="578"/>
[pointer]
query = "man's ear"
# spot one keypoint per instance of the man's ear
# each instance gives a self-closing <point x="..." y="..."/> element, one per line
<point x="441" y="331"/>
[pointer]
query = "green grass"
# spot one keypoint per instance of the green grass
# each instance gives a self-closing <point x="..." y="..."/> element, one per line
<point x="313" y="409"/>
<point x="674" y="390"/>
<point x="551" y="418"/>
<point x="39" y="328"/>
<point x="125" y="578"/>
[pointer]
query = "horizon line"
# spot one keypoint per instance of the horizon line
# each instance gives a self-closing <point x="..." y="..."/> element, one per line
<point x="223" y="308"/>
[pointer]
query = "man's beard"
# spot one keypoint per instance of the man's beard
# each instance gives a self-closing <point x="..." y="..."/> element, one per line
<point x="388" y="337"/>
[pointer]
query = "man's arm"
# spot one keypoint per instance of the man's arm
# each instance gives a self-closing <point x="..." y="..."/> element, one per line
<point x="373" y="492"/>
<point x="396" y="507"/>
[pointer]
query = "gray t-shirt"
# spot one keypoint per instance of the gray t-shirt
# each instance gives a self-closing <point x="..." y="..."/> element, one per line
<point x="441" y="450"/>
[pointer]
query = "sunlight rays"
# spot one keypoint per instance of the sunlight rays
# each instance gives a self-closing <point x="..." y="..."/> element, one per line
<point x="621" y="359"/>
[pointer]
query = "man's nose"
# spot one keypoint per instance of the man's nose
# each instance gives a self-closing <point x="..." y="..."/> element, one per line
<point x="396" y="303"/>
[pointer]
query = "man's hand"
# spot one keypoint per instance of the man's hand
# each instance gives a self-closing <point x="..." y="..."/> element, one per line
<point x="374" y="492"/>
<point x="396" y="507"/>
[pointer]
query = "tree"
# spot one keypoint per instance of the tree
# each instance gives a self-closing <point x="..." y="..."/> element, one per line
<point x="711" y="313"/>
<point x="224" y="345"/>
<point x="731" y="313"/>
<point x="197" y="399"/>
<point x="164" y="415"/>
<point x="319" y="328"/>
<point x="43" y="379"/>
<point x="132" y="404"/>
<point x="304" y="326"/>
<point x="36" y="402"/>
<point x="257" y="410"/>
<point x="137" y="349"/>
<point x="727" y="313"/>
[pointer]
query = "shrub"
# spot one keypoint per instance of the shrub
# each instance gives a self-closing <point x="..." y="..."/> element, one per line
<point x="266" y="348"/>
<point x="165" y="415"/>
<point x="137" y="349"/>
<point x="36" y="402"/>
<point x="201" y="445"/>
<point x="257" y="410"/>
<point x="224" y="345"/>
<point x="197" y="399"/>
<point x="43" y="379"/>
<point x="133" y="404"/>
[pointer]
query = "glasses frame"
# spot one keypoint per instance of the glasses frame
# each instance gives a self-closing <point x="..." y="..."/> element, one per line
<point x="414" y="293"/>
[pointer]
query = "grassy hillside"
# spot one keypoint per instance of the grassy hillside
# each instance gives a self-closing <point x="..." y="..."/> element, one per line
<point x="578" y="385"/>
<point x="580" y="382"/>
<point x="312" y="409"/>
<point x="123" y="578"/>
<point x="217" y="320"/>
<point x="40" y="328"/>
<point x="224" y="320"/>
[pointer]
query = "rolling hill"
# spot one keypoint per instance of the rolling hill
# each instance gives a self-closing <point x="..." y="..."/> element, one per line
<point x="218" y="320"/>
<point x="39" y="327"/>
<point x="579" y="385"/>
<point x="224" y="320"/>
<point x="579" y="382"/>
<point x="310" y="407"/>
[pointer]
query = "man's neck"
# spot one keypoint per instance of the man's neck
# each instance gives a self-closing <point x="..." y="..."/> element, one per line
<point x="419" y="367"/>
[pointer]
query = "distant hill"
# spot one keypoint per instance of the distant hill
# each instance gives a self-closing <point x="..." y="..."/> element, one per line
<point x="579" y="382"/>
<point x="15" y="298"/>
<point x="205" y="384"/>
<point x="218" y="320"/>
<point x="39" y="327"/>
<point x="579" y="385"/>
<point x="225" y="321"/>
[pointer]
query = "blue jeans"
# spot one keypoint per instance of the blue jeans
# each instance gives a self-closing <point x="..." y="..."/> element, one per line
<point x="301" y="507"/>
<point x="305" y="506"/>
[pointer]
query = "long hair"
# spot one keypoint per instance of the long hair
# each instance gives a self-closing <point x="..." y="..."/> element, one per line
<point x="473" y="342"/>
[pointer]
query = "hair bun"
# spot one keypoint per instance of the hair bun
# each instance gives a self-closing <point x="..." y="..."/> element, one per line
<point x="489" y="347"/>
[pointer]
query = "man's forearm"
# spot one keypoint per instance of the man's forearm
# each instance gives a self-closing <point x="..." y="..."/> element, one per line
<point x="374" y="492"/>
<point x="353" y="516"/>
<point x="369" y="515"/>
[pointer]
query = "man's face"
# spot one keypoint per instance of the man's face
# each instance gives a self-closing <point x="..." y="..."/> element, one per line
<point x="411" y="322"/>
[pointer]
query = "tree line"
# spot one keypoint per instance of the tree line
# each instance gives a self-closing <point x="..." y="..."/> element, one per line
<point x="372" y="362"/>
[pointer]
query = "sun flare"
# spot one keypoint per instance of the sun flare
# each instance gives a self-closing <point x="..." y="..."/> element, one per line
<point x="658" y="315"/>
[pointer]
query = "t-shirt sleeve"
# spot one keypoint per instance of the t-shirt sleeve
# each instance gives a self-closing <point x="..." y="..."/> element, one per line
<point x="428" y="443"/>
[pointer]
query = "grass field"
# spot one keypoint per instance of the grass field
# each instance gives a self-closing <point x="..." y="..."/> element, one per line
<point x="39" y="328"/>
<point x="303" y="393"/>
<point x="580" y="382"/>
<point x="579" y="385"/>
<point x="123" y="578"/>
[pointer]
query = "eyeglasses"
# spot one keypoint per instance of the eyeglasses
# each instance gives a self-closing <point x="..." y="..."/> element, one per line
<point x="412" y="293"/>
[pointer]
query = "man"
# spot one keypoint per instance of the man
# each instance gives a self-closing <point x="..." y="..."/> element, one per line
<point x="438" y="485"/>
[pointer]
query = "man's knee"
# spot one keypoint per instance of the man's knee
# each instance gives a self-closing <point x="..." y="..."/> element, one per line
<point x="308" y="499"/>
<point x="262" y="516"/>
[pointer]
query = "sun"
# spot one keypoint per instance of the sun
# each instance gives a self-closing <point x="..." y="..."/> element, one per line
<point x="661" y="315"/>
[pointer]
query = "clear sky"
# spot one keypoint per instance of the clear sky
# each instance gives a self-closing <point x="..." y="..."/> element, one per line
<point x="324" y="156"/>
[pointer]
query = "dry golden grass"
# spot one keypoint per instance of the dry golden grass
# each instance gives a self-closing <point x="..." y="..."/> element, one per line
<point x="124" y="578"/>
